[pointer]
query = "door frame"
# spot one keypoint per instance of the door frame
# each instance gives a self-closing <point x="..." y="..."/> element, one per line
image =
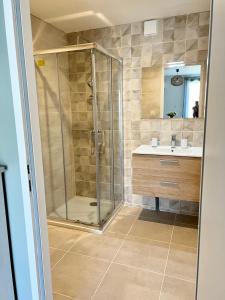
<point x="21" y="67"/>
<point x="18" y="21"/>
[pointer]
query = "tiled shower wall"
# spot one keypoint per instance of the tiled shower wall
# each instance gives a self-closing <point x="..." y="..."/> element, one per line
<point x="82" y="123"/>
<point x="180" y="38"/>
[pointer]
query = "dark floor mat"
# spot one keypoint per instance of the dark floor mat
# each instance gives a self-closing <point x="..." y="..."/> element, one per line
<point x="169" y="218"/>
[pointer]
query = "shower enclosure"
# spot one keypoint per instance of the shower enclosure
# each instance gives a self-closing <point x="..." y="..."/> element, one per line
<point x="80" y="110"/>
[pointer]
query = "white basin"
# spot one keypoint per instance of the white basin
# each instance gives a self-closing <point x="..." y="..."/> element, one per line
<point x="167" y="150"/>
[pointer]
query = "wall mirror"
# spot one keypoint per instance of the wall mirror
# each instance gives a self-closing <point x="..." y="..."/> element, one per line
<point x="175" y="90"/>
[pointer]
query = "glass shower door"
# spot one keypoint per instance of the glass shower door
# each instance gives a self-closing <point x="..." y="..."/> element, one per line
<point x="76" y="94"/>
<point x="104" y="155"/>
<point x="47" y="78"/>
<point x="117" y="116"/>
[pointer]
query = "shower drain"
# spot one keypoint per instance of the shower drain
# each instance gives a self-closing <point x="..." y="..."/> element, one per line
<point x="94" y="203"/>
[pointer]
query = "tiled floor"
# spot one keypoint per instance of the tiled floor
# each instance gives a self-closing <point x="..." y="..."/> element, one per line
<point x="133" y="260"/>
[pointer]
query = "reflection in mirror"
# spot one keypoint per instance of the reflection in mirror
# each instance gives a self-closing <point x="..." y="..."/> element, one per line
<point x="182" y="91"/>
<point x="174" y="91"/>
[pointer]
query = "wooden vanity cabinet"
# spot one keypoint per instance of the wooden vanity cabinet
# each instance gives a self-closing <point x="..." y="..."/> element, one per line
<point x="172" y="177"/>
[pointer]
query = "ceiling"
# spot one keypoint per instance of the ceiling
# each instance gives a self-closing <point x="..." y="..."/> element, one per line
<point x="78" y="15"/>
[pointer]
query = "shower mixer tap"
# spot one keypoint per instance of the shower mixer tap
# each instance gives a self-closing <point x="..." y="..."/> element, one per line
<point x="101" y="141"/>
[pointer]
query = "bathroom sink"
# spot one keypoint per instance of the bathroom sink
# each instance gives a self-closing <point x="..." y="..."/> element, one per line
<point x="168" y="150"/>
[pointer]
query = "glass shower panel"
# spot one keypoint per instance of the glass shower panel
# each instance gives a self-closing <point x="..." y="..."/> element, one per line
<point x="117" y="131"/>
<point x="104" y="135"/>
<point x="47" y="79"/>
<point x="76" y="94"/>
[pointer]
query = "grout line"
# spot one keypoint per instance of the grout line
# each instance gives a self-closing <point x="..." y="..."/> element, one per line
<point x="154" y="272"/>
<point x="66" y="251"/>
<point x="65" y="296"/>
<point x="164" y="273"/>
<point x="113" y="259"/>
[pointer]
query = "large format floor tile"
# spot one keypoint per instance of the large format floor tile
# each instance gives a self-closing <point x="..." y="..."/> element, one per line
<point x="176" y="289"/>
<point x="100" y="246"/>
<point x="151" y="230"/>
<point x="62" y="297"/>
<point x="125" y="283"/>
<point x="121" y="224"/>
<point x="185" y="236"/>
<point x="129" y="210"/>
<point x="182" y="262"/>
<point x="63" y="238"/>
<point x="143" y="253"/>
<point x="55" y="255"/>
<point x="78" y="276"/>
<point x="128" y="261"/>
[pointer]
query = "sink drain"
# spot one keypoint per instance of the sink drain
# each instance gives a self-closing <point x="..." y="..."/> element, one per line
<point x="94" y="203"/>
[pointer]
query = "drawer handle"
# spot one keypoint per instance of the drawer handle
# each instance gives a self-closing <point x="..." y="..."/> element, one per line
<point x="169" y="183"/>
<point x="169" y="162"/>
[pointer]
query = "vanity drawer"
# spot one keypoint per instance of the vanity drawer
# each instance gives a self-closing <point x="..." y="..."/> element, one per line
<point x="171" y="189"/>
<point x="167" y="176"/>
<point x="167" y="166"/>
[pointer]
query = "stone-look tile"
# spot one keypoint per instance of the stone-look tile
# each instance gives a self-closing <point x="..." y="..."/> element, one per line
<point x="137" y="28"/>
<point x="204" y="18"/>
<point x="98" y="246"/>
<point x="198" y="137"/>
<point x="121" y="224"/>
<point x="193" y="19"/>
<point x="176" y="289"/>
<point x="185" y="236"/>
<point x="62" y="297"/>
<point x="182" y="262"/>
<point x="130" y="210"/>
<point x="55" y="255"/>
<point x="126" y="41"/>
<point x="169" y="23"/>
<point x="78" y="276"/>
<point x="192" y="44"/>
<point x="125" y="283"/>
<point x="143" y="253"/>
<point x="180" y="21"/>
<point x="168" y="35"/>
<point x="151" y="230"/>
<point x="179" y="47"/>
<point x="177" y="125"/>
<point x="188" y="124"/>
<point x="203" y="30"/>
<point x="179" y="33"/>
<point x="63" y="238"/>
<point x="192" y="32"/>
<point x="125" y="29"/>
<point x="203" y="43"/>
<point x="166" y="125"/>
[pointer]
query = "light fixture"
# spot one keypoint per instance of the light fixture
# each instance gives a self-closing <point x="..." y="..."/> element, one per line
<point x="175" y="64"/>
<point x="177" y="80"/>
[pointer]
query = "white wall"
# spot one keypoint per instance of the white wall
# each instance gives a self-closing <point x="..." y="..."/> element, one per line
<point x="211" y="279"/>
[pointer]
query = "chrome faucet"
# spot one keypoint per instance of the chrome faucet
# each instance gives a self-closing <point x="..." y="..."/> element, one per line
<point x="173" y="141"/>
